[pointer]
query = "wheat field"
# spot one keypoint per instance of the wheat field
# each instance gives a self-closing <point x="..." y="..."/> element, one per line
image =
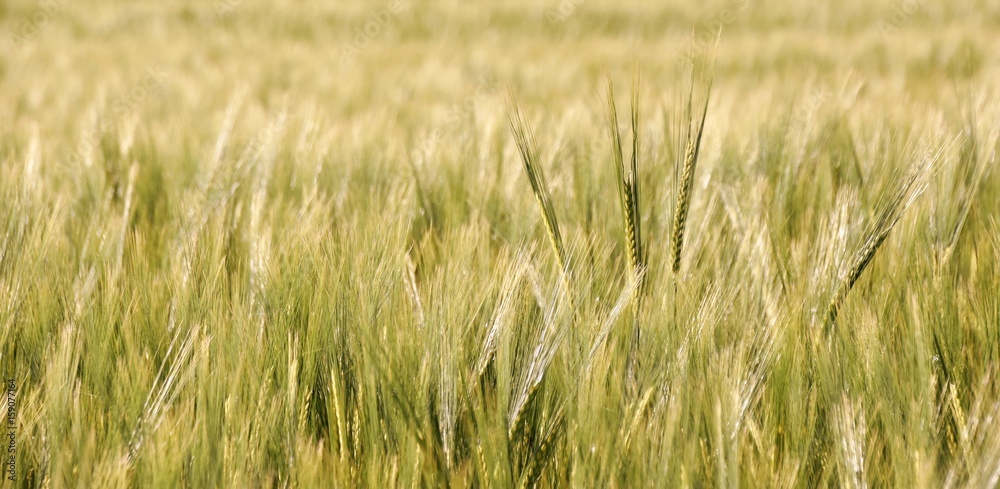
<point x="565" y="243"/>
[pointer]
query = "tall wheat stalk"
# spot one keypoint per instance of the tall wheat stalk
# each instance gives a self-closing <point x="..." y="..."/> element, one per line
<point x="685" y="181"/>
<point x="627" y="183"/>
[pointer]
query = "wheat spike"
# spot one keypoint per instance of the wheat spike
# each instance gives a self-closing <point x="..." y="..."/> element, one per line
<point x="539" y="185"/>
<point x="627" y="182"/>
<point x="692" y="150"/>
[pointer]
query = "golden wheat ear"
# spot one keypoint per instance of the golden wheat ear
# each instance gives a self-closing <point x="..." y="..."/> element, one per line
<point x="525" y="141"/>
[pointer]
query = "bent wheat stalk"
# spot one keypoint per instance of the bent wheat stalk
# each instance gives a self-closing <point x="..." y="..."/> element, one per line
<point x="889" y="213"/>
<point x="539" y="185"/>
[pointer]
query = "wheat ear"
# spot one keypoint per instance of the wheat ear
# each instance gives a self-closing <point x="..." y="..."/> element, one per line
<point x="692" y="150"/>
<point x="539" y="185"/>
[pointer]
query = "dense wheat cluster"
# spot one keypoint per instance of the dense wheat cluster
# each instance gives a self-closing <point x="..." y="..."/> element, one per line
<point x="567" y="243"/>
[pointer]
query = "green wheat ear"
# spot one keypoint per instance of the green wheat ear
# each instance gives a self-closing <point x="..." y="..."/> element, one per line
<point x="525" y="141"/>
<point x="627" y="183"/>
<point x="692" y="150"/>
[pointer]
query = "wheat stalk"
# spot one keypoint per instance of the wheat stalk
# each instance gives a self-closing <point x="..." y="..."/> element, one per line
<point x="627" y="183"/>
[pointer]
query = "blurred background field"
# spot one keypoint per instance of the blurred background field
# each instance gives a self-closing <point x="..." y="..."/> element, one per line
<point x="291" y="243"/>
<point x="75" y="55"/>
